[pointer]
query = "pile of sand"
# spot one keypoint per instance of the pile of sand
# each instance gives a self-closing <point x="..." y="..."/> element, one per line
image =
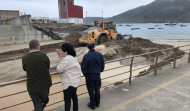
<point x="134" y="46"/>
<point x="62" y="28"/>
<point x="73" y="38"/>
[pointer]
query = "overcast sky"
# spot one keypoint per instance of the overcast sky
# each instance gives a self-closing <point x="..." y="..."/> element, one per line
<point x="49" y="8"/>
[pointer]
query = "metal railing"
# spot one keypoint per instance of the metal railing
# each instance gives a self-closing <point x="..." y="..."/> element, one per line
<point x="154" y="67"/>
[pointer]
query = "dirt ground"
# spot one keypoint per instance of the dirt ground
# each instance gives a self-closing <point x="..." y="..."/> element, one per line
<point x="10" y="60"/>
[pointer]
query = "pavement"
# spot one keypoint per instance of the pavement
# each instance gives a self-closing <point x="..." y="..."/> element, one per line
<point x="169" y="90"/>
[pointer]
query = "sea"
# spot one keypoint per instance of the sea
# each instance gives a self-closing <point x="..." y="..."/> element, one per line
<point x="161" y="32"/>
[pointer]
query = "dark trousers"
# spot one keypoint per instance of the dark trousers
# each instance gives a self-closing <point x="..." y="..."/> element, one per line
<point x="40" y="99"/>
<point x="71" y="93"/>
<point x="93" y="83"/>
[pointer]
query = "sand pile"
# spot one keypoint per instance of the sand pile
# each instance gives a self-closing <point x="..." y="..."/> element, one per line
<point x="133" y="46"/>
<point x="73" y="38"/>
<point x="62" y="28"/>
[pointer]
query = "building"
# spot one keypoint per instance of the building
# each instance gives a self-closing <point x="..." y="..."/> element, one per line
<point x="8" y="14"/>
<point x="41" y="20"/>
<point x="67" y="9"/>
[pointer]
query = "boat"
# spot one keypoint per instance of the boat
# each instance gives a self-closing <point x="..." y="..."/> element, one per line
<point x="160" y="28"/>
<point x="120" y="25"/>
<point x="128" y="25"/>
<point x="135" y="28"/>
<point x="183" y="25"/>
<point x="171" y="24"/>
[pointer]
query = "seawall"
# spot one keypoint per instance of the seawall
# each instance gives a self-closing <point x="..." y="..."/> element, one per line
<point x="11" y="34"/>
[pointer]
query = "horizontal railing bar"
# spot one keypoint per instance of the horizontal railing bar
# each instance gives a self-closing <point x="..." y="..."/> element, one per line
<point x="144" y="60"/>
<point x="12" y="82"/>
<point x="20" y="80"/>
<point x="115" y="75"/>
<point x="55" y="93"/>
<point x="15" y="105"/>
<point x="22" y="92"/>
<point x="115" y="68"/>
<point x="62" y="91"/>
<point x="13" y="94"/>
<point x="140" y="68"/>
<point x="55" y="103"/>
<point x="56" y="83"/>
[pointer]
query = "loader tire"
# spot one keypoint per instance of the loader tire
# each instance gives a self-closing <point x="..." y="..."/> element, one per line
<point x="102" y="39"/>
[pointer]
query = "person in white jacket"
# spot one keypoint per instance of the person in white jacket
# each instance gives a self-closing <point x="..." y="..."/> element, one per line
<point x="70" y="72"/>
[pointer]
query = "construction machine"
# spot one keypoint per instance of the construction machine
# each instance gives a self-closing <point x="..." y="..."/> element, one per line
<point x="100" y="33"/>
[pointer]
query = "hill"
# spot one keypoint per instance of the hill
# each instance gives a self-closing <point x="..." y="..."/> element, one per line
<point x="157" y="11"/>
<point x="90" y="20"/>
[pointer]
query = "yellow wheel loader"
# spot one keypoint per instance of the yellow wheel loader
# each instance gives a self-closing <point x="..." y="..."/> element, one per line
<point x="100" y="33"/>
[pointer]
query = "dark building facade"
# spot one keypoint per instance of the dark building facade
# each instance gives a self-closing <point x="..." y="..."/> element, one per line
<point x="8" y="14"/>
<point x="67" y="9"/>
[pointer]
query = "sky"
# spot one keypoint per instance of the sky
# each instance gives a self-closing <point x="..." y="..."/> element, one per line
<point x="94" y="8"/>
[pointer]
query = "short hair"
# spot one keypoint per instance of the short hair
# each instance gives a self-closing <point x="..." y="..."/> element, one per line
<point x="33" y="44"/>
<point x="66" y="47"/>
<point x="90" y="44"/>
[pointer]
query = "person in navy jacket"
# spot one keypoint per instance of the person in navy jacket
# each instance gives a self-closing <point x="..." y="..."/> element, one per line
<point x="92" y="65"/>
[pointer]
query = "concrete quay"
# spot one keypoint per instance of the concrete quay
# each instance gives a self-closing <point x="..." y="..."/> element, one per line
<point x="169" y="90"/>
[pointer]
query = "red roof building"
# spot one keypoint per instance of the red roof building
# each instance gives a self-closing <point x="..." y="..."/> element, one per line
<point x="67" y="9"/>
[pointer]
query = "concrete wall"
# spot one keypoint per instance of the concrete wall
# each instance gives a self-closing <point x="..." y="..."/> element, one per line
<point x="11" y="34"/>
<point x="17" y="20"/>
<point x="7" y="14"/>
<point x="19" y="30"/>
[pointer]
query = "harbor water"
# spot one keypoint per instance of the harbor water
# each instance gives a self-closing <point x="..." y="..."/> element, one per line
<point x="179" y="32"/>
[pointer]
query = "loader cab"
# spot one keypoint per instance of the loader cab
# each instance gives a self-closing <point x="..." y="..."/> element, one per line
<point x="98" y="24"/>
<point x="108" y="25"/>
<point x="104" y="25"/>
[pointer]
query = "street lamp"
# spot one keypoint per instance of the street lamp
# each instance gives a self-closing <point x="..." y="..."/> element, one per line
<point x="86" y="18"/>
<point x="102" y="15"/>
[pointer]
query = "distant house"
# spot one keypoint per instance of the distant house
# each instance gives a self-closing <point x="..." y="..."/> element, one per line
<point x="41" y="20"/>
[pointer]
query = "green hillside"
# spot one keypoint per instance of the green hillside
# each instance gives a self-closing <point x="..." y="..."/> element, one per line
<point x="157" y="11"/>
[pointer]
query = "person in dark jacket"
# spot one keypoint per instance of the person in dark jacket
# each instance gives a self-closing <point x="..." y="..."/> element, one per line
<point x="92" y="65"/>
<point x="37" y="64"/>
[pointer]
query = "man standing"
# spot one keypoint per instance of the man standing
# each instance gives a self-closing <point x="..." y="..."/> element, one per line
<point x="37" y="64"/>
<point x="92" y="65"/>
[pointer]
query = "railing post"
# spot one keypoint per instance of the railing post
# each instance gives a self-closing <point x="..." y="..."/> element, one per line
<point x="189" y="57"/>
<point x="175" y="58"/>
<point x="131" y="68"/>
<point x="155" y="66"/>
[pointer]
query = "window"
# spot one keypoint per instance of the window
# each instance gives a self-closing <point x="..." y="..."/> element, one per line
<point x="106" y="25"/>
